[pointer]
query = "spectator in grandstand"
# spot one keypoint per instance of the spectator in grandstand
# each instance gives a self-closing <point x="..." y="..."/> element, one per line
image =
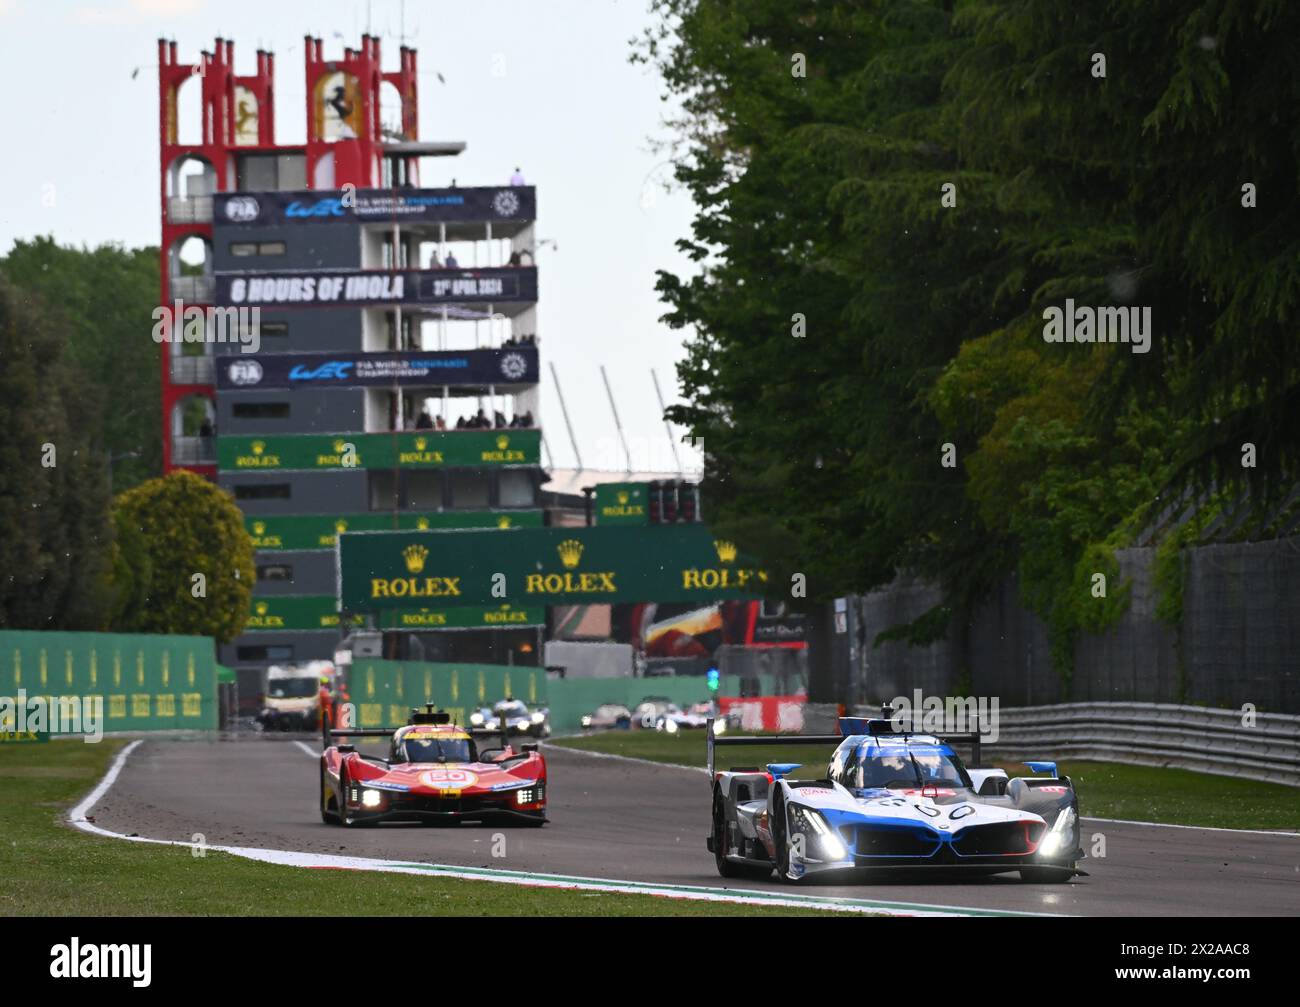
<point x="451" y="262"/>
<point x="440" y="424"/>
<point x="425" y="422"/>
<point x="517" y="178"/>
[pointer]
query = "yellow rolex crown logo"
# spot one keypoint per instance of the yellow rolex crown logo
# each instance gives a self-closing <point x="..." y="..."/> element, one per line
<point x="259" y="527"/>
<point x="570" y="551"/>
<point x="415" y="555"/>
<point x="339" y="444"/>
<point x="340" y="525"/>
<point x="258" y="447"/>
<point x="503" y="442"/>
<point x="420" y="442"/>
<point x="261" y="608"/>
<point x="422" y="524"/>
<point x="726" y="550"/>
<point x="622" y="496"/>
<point x="503" y="521"/>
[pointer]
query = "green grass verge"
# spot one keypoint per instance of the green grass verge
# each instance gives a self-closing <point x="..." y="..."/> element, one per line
<point x="52" y="869"/>
<point x="1106" y="790"/>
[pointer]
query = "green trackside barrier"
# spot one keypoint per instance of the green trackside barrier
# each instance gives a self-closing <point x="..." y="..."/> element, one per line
<point x="148" y="683"/>
<point x="385" y="691"/>
<point x="572" y="698"/>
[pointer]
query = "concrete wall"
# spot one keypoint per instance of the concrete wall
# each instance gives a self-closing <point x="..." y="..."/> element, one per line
<point x="1239" y="641"/>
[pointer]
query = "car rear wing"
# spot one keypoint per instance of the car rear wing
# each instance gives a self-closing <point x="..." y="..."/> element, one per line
<point x="760" y="739"/>
<point x="848" y="726"/>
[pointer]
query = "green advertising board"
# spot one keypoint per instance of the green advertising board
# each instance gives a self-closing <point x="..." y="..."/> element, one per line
<point x="288" y="613"/>
<point x="542" y="566"/>
<point x="420" y="449"/>
<point x="144" y="682"/>
<point x="623" y="503"/>
<point x="384" y="692"/>
<point x="294" y="612"/>
<point x="319" y="531"/>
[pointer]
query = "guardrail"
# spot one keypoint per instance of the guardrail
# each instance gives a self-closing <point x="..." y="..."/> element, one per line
<point x="1155" y="734"/>
<point x="1144" y="734"/>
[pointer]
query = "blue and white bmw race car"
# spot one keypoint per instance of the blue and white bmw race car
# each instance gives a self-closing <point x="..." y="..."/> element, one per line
<point x="890" y="799"/>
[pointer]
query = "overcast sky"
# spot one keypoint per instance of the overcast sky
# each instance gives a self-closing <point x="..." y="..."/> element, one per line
<point x="543" y="85"/>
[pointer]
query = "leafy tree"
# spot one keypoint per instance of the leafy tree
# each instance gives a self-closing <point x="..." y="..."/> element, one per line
<point x="101" y="300"/>
<point x="54" y="532"/>
<point x="820" y="196"/>
<point x="187" y="526"/>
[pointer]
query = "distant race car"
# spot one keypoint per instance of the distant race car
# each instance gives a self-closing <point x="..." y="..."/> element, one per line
<point x="891" y="799"/>
<point x="434" y="772"/>
<point x="607" y="716"/>
<point x="518" y="718"/>
<point x="658" y="713"/>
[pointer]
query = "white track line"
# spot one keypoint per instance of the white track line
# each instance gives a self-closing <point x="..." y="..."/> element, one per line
<point x="1195" y="828"/>
<point x="308" y="749"/>
<point x="78" y="817"/>
<point x="1086" y="818"/>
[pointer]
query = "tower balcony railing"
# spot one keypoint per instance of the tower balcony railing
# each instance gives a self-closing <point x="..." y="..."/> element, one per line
<point x="189" y="209"/>
<point x="196" y="370"/>
<point x="195" y="289"/>
<point x="194" y="450"/>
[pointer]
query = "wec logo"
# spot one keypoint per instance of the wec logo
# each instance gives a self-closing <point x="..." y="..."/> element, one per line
<point x="334" y="370"/>
<point x="103" y="961"/>
<point x="321" y="208"/>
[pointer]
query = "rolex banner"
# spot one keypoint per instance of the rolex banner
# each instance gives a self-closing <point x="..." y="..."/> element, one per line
<point x="290" y="533"/>
<point x="322" y="288"/>
<point x="288" y="613"/>
<point x="408" y="450"/>
<point x="478" y="204"/>
<point x="541" y="566"/>
<point x="482" y="368"/>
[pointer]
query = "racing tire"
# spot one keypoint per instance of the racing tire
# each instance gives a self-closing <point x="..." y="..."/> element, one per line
<point x="1047" y="875"/>
<point x="725" y="867"/>
<point x="326" y="816"/>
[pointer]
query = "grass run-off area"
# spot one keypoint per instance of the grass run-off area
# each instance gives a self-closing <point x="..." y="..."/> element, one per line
<point x="1106" y="790"/>
<point x="50" y="868"/>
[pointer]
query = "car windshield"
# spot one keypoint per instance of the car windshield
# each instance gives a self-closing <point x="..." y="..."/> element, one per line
<point x="292" y="688"/>
<point x="439" y="750"/>
<point x="902" y="768"/>
<point x="515" y="709"/>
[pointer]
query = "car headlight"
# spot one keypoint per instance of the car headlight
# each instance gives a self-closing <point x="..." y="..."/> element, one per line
<point x="538" y="717"/>
<point x="1058" y="838"/>
<point x="670" y="726"/>
<point x="371" y="798"/>
<point x="586" y="721"/>
<point x="719" y="727"/>
<point x="813" y="826"/>
<point x="476" y="719"/>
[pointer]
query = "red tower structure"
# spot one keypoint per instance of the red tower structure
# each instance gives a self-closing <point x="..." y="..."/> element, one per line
<point x="345" y="145"/>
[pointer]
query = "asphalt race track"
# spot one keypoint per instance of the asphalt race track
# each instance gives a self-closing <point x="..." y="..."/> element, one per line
<point x="633" y="821"/>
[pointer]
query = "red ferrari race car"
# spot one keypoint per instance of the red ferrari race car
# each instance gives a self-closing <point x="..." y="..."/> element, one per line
<point x="435" y="772"/>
